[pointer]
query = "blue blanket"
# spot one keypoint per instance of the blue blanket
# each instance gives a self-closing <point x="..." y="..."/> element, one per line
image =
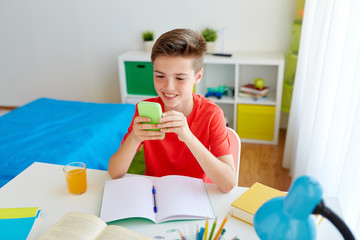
<point x="60" y="132"/>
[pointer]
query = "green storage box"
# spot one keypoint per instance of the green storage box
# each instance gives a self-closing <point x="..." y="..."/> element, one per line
<point x="290" y="68"/>
<point x="299" y="9"/>
<point x="139" y="78"/>
<point x="286" y="98"/>
<point x="295" y="36"/>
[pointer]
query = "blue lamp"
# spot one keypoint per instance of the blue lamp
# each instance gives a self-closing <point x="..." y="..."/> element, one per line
<point x="290" y="217"/>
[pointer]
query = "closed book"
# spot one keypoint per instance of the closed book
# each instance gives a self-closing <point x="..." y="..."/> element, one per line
<point x="18" y="223"/>
<point x="250" y="88"/>
<point x="252" y="95"/>
<point x="245" y="206"/>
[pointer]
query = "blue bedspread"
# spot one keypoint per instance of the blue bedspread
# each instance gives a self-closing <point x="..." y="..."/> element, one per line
<point x="60" y="132"/>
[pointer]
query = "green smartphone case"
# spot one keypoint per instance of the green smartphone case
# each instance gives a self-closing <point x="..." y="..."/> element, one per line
<point x="151" y="110"/>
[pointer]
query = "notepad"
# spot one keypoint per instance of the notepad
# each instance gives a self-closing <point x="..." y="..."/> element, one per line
<point x="17" y="223"/>
<point x="177" y="198"/>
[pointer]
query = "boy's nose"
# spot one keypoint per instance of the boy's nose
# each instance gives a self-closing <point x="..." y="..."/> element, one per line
<point x="170" y="84"/>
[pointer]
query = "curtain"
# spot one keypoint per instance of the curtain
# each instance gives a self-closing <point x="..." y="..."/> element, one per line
<point x="323" y="134"/>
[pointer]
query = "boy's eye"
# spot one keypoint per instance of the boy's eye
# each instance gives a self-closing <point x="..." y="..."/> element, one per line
<point x="180" y="78"/>
<point x="159" y="76"/>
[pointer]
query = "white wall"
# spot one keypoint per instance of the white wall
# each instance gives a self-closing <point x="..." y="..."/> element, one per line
<point x="67" y="49"/>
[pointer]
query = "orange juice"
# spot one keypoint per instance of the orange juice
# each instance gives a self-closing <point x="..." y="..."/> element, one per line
<point x="76" y="180"/>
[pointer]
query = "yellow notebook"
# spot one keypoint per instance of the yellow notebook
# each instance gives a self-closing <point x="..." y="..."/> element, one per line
<point x="245" y="206"/>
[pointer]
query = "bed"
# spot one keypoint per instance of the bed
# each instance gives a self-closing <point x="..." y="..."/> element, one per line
<point x="59" y="132"/>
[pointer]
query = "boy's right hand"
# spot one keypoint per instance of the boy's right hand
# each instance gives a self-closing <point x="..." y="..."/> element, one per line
<point x="141" y="130"/>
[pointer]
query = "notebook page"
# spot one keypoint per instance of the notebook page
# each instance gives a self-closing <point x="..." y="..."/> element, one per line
<point x="180" y="197"/>
<point x="128" y="197"/>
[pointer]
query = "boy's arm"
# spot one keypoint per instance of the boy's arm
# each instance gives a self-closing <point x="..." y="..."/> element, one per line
<point x="120" y="161"/>
<point x="220" y="170"/>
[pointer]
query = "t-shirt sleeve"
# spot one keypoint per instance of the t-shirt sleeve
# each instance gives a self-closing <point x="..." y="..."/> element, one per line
<point x="219" y="137"/>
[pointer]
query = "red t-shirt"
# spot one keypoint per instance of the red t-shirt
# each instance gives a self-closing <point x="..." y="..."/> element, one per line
<point x="171" y="156"/>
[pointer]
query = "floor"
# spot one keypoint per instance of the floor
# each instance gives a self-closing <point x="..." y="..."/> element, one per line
<point x="2" y="112"/>
<point x="263" y="163"/>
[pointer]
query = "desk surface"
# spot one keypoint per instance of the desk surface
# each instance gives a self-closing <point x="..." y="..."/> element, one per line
<point x="43" y="185"/>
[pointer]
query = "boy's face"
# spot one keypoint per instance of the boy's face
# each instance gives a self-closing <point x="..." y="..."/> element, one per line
<point x="174" y="78"/>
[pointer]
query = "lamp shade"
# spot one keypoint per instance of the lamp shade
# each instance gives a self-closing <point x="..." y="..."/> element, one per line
<point x="290" y="217"/>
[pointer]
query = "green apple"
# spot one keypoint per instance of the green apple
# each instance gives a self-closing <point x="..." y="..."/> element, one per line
<point x="259" y="83"/>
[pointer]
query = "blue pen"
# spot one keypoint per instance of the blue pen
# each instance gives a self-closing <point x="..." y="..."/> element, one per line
<point x="201" y="233"/>
<point x="154" y="192"/>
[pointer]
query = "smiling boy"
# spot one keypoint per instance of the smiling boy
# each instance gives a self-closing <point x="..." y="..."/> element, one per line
<point x="196" y="142"/>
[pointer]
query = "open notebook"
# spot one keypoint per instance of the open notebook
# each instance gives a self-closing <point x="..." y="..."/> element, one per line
<point x="160" y="199"/>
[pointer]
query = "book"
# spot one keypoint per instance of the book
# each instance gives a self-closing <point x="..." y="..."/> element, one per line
<point x="85" y="226"/>
<point x="158" y="199"/>
<point x="252" y="95"/>
<point x="250" y="88"/>
<point x="245" y="206"/>
<point x="18" y="223"/>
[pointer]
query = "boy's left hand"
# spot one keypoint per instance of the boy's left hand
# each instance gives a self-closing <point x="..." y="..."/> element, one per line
<point x="173" y="121"/>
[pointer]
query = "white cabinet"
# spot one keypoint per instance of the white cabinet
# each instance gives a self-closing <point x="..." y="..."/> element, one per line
<point x="255" y="120"/>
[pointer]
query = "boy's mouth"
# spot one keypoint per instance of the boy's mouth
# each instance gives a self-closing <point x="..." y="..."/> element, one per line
<point x="169" y="96"/>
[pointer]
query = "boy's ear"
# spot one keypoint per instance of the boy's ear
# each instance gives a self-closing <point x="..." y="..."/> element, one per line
<point x="199" y="76"/>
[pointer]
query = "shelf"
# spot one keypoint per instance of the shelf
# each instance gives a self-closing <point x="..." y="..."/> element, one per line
<point x="239" y="69"/>
<point x="223" y="99"/>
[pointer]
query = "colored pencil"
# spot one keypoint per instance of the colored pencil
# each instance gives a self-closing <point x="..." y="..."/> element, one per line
<point x="222" y="234"/>
<point x="221" y="227"/>
<point x="213" y="229"/>
<point x="206" y="228"/>
<point x="182" y="236"/>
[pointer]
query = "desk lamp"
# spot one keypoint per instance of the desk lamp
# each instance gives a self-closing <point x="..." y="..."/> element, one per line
<point x="290" y="217"/>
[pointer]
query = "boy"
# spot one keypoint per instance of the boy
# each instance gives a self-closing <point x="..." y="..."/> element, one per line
<point x="196" y="142"/>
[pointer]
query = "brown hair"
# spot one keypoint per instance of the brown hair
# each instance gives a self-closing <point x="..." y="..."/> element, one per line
<point x="181" y="42"/>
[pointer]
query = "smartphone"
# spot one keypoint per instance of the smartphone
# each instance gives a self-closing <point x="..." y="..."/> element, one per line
<point x="151" y="110"/>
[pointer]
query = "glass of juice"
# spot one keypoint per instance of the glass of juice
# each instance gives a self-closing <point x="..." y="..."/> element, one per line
<point x="75" y="174"/>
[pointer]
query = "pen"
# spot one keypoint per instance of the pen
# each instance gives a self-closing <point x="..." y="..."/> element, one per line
<point x="201" y="233"/>
<point x="221" y="226"/>
<point x="212" y="229"/>
<point x="206" y="228"/>
<point x="154" y="192"/>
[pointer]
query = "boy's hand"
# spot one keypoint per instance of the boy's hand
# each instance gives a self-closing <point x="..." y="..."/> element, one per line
<point x="173" y="121"/>
<point x="140" y="130"/>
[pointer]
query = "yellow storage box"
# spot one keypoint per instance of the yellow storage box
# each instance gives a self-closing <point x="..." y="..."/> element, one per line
<point x="256" y="122"/>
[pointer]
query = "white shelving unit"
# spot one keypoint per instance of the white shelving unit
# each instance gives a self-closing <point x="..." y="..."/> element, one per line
<point x="239" y="69"/>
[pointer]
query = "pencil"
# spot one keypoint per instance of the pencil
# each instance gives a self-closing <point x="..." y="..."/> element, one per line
<point x="222" y="234"/>
<point x="221" y="226"/>
<point x="206" y="228"/>
<point x="182" y="236"/>
<point x="212" y="229"/>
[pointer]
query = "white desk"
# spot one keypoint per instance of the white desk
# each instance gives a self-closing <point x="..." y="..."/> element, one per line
<point x="43" y="185"/>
